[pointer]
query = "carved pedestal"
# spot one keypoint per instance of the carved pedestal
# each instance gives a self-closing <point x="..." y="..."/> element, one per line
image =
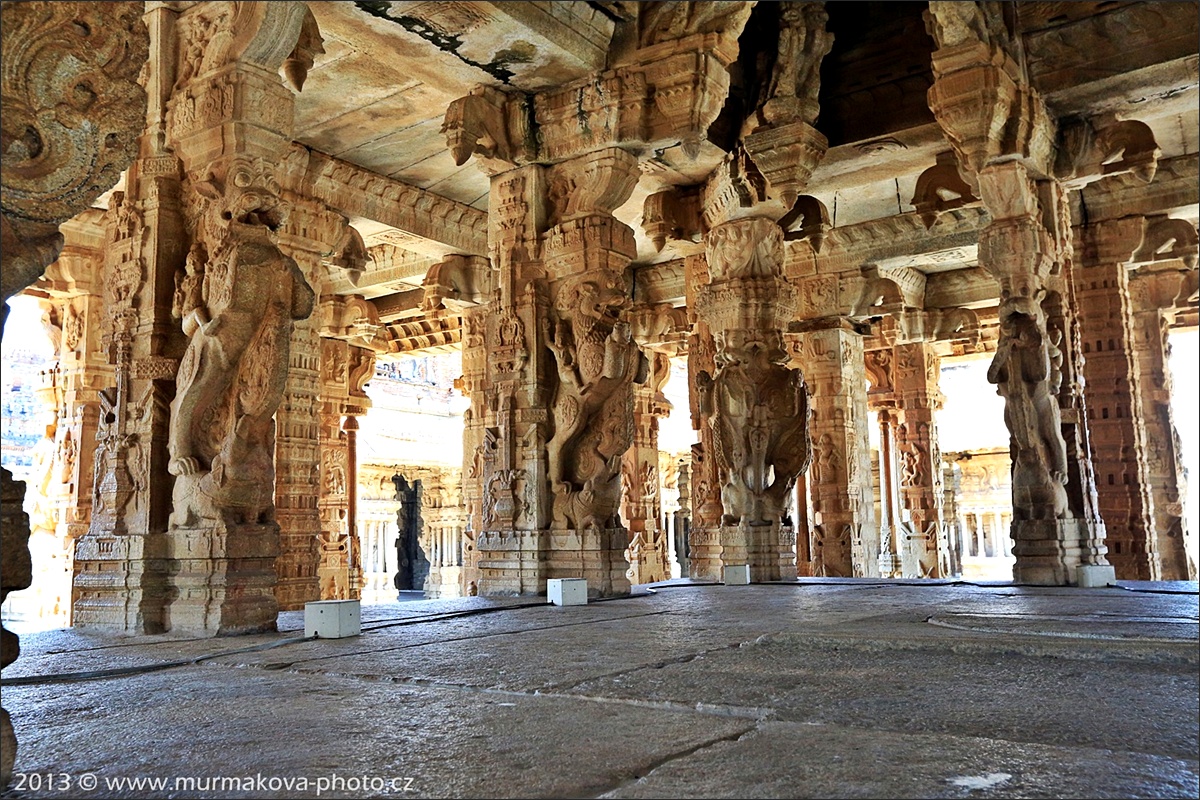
<point x="595" y="555"/>
<point x="513" y="562"/>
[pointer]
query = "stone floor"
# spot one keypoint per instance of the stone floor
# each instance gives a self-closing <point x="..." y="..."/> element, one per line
<point x="818" y="689"/>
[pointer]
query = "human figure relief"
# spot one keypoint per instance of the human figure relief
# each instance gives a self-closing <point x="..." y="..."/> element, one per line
<point x="598" y="362"/>
<point x="1023" y="370"/>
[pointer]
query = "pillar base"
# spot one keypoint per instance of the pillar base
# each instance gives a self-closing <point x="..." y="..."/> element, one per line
<point x="1047" y="550"/>
<point x="769" y="550"/>
<point x="704" y="554"/>
<point x="649" y="561"/>
<point x="120" y="583"/>
<point x="510" y="563"/>
<point x="598" y="556"/>
<point x="222" y="579"/>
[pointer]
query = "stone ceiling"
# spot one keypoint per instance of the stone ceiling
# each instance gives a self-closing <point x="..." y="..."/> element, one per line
<point x="377" y="96"/>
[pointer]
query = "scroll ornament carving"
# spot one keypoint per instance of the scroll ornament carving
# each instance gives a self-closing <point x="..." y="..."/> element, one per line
<point x="73" y="111"/>
<point x="598" y="362"/>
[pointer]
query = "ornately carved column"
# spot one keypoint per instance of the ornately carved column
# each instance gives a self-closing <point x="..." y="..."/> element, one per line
<point x="120" y="567"/>
<point x="845" y="537"/>
<point x="55" y="164"/>
<point x="597" y="364"/>
<point x="1004" y="140"/>
<point x="345" y="369"/>
<point x="1112" y="374"/>
<point x="297" y="445"/>
<point x="230" y="121"/>
<point x="1162" y="284"/>
<point x="74" y="310"/>
<point x="759" y="405"/>
<point x="926" y="551"/>
<point x="648" y="551"/>
<point x="704" y="533"/>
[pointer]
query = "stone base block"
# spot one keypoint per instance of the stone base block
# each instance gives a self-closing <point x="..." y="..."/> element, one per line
<point x="511" y="562"/>
<point x="222" y="579"/>
<point x="768" y="550"/>
<point x="704" y="554"/>
<point x="1090" y="575"/>
<point x="120" y="583"/>
<point x="1046" y="550"/>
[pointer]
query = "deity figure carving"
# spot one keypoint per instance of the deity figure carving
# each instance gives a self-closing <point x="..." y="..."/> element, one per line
<point x="1025" y="371"/>
<point x="597" y="362"/>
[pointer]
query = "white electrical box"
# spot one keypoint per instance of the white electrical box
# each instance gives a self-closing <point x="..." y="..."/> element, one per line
<point x="567" y="591"/>
<point x="737" y="575"/>
<point x="1090" y="575"/>
<point x="332" y="619"/>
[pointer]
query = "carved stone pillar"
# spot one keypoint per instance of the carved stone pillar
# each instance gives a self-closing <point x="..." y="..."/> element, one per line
<point x="845" y="536"/>
<point x="297" y="445"/>
<point x="648" y="552"/>
<point x="74" y="310"/>
<point x="759" y="406"/>
<point x="1004" y="138"/>
<point x="509" y="411"/>
<point x="1160" y="286"/>
<point x="1115" y="417"/>
<point x="476" y="451"/>
<point x="926" y="549"/>
<point x="704" y="534"/>
<point x="597" y="365"/>
<point x="345" y="370"/>
<point x="230" y="121"/>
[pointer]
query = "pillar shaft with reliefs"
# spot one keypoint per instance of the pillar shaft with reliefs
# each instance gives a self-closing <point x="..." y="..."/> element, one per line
<point x="1160" y="286"/>
<point x="845" y="537"/>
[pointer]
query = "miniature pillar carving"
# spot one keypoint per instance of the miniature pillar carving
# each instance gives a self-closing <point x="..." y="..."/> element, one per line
<point x="845" y="538"/>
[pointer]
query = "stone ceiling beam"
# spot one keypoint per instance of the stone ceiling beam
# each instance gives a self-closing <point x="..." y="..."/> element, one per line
<point x="357" y="192"/>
